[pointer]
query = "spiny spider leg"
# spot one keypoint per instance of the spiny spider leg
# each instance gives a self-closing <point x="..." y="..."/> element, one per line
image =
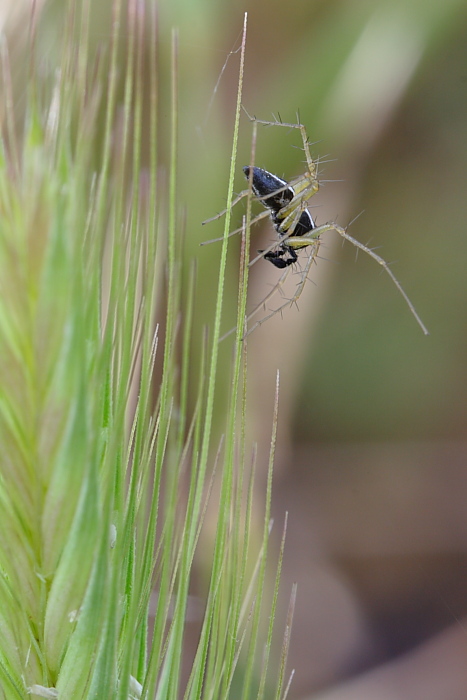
<point x="301" y="242"/>
<point x="310" y="232"/>
<point x="274" y="289"/>
<point x="275" y="193"/>
<point x="257" y="218"/>
<point x="295" y="297"/>
<point x="284" y="187"/>
<point x="277" y="288"/>
<point x="305" y="188"/>
<point x="312" y="174"/>
<point x="222" y="213"/>
<point x="302" y="188"/>
<point x="285" y="203"/>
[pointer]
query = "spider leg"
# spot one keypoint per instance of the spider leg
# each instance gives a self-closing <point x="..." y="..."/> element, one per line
<point x="286" y="205"/>
<point x="287" y="217"/>
<point x="276" y="188"/>
<point x="261" y="216"/>
<point x="308" y="226"/>
<point x="300" y="242"/>
<point x="222" y="213"/>
<point x="297" y="294"/>
<point x="312" y="167"/>
<point x="276" y="289"/>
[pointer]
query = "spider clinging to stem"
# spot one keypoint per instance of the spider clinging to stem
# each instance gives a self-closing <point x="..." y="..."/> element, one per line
<point x="286" y="205"/>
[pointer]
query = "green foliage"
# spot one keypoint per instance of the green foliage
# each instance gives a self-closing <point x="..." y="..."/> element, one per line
<point x="105" y="422"/>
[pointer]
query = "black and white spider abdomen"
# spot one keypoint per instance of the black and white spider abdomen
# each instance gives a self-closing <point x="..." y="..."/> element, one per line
<point x="304" y="225"/>
<point x="275" y="194"/>
<point x="264" y="184"/>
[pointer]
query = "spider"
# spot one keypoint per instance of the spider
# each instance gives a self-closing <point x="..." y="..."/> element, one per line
<point x="276" y="194"/>
<point x="286" y="205"/>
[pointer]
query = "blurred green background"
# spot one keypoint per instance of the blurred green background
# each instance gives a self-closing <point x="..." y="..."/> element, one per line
<point x="371" y="458"/>
<point x="372" y="455"/>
